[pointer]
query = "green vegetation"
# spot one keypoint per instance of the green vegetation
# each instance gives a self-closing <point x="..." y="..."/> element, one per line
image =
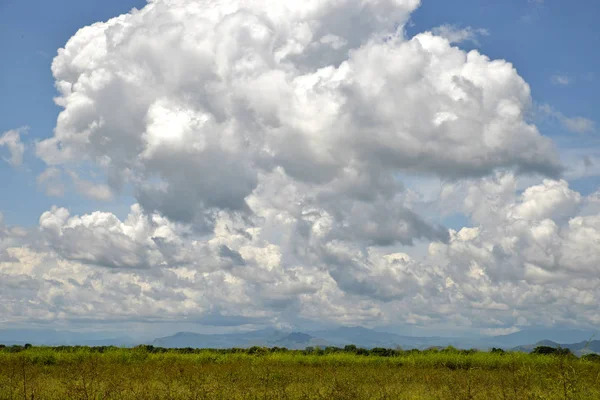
<point x="146" y="372"/>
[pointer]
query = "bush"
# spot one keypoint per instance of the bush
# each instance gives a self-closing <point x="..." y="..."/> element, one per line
<point x="15" y="348"/>
<point x="591" y="357"/>
<point x="362" y="352"/>
<point x="383" y="352"/>
<point x="450" y="349"/>
<point x="256" y="350"/>
<point x="547" y="350"/>
<point x="350" y="348"/>
<point x="332" y="349"/>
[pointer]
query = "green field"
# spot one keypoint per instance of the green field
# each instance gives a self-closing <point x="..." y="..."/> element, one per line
<point x="259" y="373"/>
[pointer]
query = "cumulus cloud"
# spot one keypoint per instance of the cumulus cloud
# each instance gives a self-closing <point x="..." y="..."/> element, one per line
<point x="530" y="260"/>
<point x="265" y="147"/>
<point x="534" y="233"/>
<point x="190" y="106"/>
<point x="531" y="251"/>
<point x="12" y="141"/>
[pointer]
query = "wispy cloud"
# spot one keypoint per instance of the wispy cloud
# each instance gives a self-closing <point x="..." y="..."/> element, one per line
<point x="561" y="80"/>
<point x="572" y="124"/>
<point x="455" y="34"/>
<point x="100" y="192"/>
<point x="51" y="182"/>
<point x="578" y="124"/>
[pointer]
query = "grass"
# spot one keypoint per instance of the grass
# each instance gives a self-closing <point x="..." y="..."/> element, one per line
<point x="257" y="373"/>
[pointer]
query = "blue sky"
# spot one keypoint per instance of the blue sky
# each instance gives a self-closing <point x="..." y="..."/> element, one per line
<point x="239" y="196"/>
<point x="31" y="32"/>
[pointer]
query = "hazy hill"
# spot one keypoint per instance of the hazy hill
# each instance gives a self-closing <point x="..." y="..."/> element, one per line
<point x="363" y="337"/>
<point x="579" y="348"/>
<point x="538" y="334"/>
<point x="299" y="340"/>
<point x="261" y="337"/>
<point x="338" y="337"/>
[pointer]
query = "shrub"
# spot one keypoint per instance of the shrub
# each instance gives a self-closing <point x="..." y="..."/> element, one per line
<point x="591" y="357"/>
<point x="547" y="350"/>
<point x="362" y="352"/>
<point x="256" y="350"/>
<point x="383" y="352"/>
<point x="450" y="349"/>
<point x="350" y="348"/>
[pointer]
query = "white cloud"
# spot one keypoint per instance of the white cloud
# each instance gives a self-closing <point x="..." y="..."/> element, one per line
<point x="579" y="124"/>
<point x="455" y="34"/>
<point x="572" y="124"/>
<point x="551" y="199"/>
<point x="94" y="191"/>
<point x="561" y="80"/>
<point x="532" y="251"/>
<point x="265" y="147"/>
<point x="51" y="182"/>
<point x="159" y="100"/>
<point x="12" y="141"/>
<point x="530" y="261"/>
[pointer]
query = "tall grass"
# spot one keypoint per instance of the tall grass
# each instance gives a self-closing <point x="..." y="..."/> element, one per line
<point x="148" y="373"/>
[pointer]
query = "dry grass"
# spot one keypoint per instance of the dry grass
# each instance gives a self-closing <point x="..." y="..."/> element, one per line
<point x="43" y="373"/>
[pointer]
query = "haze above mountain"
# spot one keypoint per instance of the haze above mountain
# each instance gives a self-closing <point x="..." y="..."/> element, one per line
<point x="523" y="340"/>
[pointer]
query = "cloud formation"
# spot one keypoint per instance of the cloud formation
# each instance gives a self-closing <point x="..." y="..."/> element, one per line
<point x="12" y="141"/>
<point x="528" y="259"/>
<point x="190" y="106"/>
<point x="266" y="145"/>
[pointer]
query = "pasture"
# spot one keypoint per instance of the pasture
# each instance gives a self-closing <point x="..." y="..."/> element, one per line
<point x="258" y="373"/>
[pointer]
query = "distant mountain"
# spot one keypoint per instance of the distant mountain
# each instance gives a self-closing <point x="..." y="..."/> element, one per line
<point x="297" y="337"/>
<point x="339" y="337"/>
<point x="579" y="348"/>
<point x="370" y="338"/>
<point x="588" y="346"/>
<point x="528" y="348"/>
<point x="300" y="341"/>
<point x="359" y="336"/>
<point x="576" y="340"/>
<point x="262" y="337"/>
<point x="539" y="334"/>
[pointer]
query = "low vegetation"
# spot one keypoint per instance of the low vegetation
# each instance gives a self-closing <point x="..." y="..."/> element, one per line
<point x="146" y="372"/>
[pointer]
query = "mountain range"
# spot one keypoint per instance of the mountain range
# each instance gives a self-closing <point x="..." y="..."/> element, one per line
<point x="577" y="340"/>
<point x="369" y="338"/>
<point x="579" y="348"/>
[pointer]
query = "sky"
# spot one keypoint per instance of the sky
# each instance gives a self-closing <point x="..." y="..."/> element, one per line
<point x="423" y="167"/>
